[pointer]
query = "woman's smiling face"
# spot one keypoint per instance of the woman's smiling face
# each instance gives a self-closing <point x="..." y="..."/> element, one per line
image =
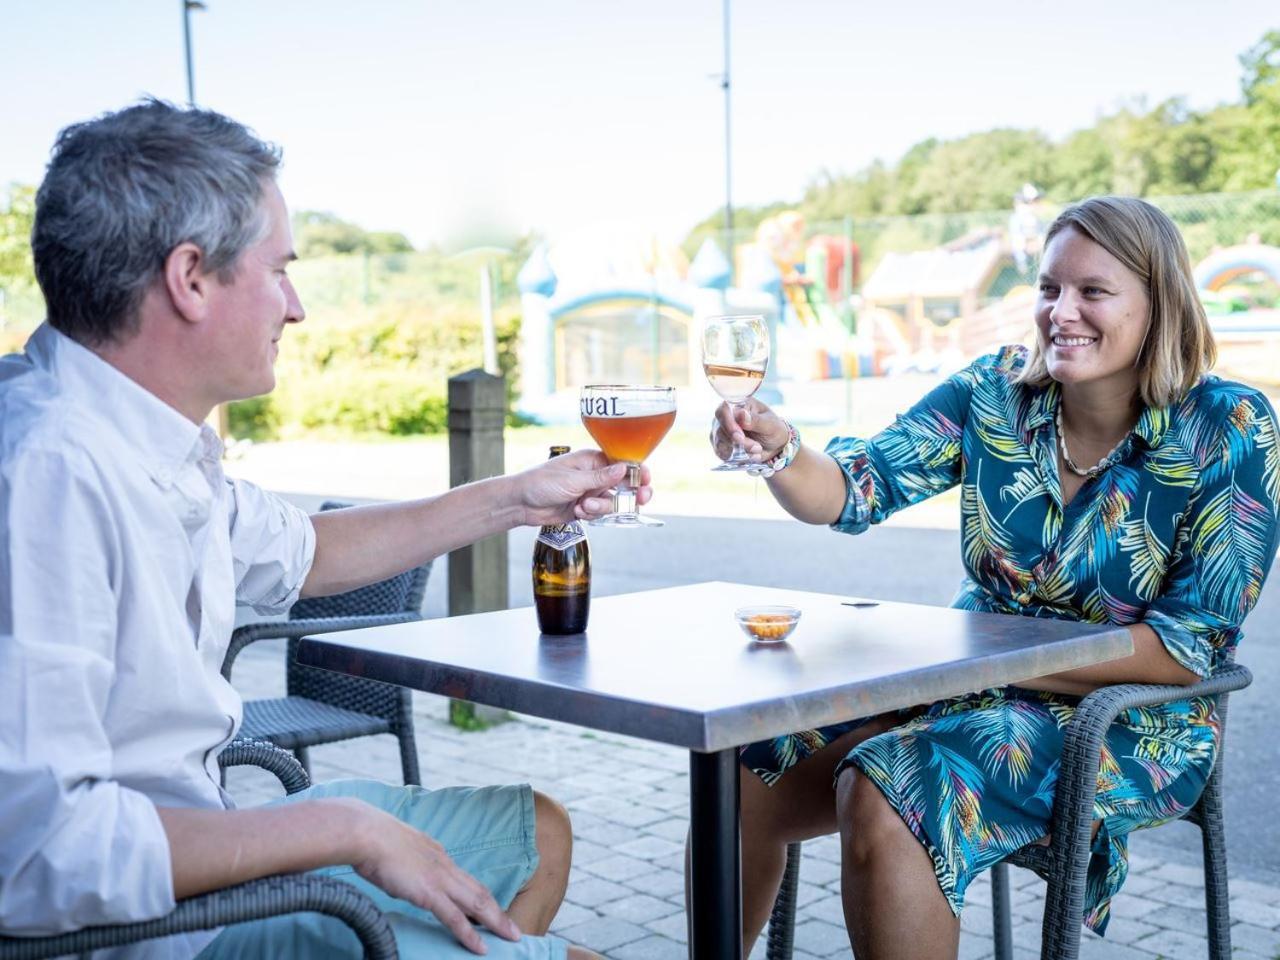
<point x="1092" y="313"/>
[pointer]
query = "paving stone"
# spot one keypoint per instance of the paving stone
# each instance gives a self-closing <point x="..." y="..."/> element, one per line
<point x="669" y="800"/>
<point x="584" y="851"/>
<point x="675" y="829"/>
<point x="1139" y="908"/>
<point x="1174" y="944"/>
<point x="973" y="947"/>
<point x="1178" y="873"/>
<point x="1266" y="915"/>
<point x="1258" y="939"/>
<point x="1125" y="930"/>
<point x="807" y="893"/>
<point x="976" y="920"/>
<point x="638" y="908"/>
<point x="619" y="810"/>
<point x="570" y="914"/>
<point x="645" y="775"/>
<point x="652" y="948"/>
<point x="607" y="784"/>
<point x="593" y="891"/>
<point x="678" y="784"/>
<point x="1178" y="918"/>
<point x="1137" y="886"/>
<point x="828" y="910"/>
<point x="673" y="927"/>
<point x="821" y="938"/>
<point x="1104" y="949"/>
<point x="673" y="861"/>
<point x="650" y="848"/>
<point x="824" y="848"/>
<point x="618" y="868"/>
<point x="604" y="934"/>
<point x="1251" y="890"/>
<point x="601" y="831"/>
<point x="661" y="883"/>
<point x="820" y="872"/>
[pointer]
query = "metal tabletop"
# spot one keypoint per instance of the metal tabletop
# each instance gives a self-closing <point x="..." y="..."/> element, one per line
<point x="673" y="666"/>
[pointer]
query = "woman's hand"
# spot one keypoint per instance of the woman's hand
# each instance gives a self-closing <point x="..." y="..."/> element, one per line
<point x="760" y="431"/>
<point x="577" y="485"/>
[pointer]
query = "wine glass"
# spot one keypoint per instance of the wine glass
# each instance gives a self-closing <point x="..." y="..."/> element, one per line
<point x="735" y="355"/>
<point x="627" y="423"/>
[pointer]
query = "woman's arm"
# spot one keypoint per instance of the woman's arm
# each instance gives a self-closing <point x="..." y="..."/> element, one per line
<point x="1150" y="662"/>
<point x="811" y="489"/>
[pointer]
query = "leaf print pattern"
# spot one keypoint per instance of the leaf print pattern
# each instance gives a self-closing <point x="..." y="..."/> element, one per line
<point x="1179" y="535"/>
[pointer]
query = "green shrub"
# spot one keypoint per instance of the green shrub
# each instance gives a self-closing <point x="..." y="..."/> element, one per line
<point x="382" y="370"/>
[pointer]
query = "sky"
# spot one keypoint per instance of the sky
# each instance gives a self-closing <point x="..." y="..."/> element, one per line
<point x="471" y="121"/>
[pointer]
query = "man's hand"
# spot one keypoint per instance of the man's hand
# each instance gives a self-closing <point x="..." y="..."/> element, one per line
<point x="410" y="865"/>
<point x="577" y="485"/>
<point x="760" y="431"/>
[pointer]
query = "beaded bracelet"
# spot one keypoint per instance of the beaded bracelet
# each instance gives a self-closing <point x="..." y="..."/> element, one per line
<point x="783" y="459"/>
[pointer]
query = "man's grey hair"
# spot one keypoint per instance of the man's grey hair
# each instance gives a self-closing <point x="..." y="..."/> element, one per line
<point x="122" y="190"/>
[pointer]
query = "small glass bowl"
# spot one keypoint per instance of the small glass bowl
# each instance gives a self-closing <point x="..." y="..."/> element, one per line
<point x="767" y="623"/>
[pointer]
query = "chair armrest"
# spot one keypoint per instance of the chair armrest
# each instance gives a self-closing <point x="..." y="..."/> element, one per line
<point x="242" y="752"/>
<point x="1072" y="826"/>
<point x="294" y="629"/>
<point x="255" y="900"/>
<point x="1097" y="711"/>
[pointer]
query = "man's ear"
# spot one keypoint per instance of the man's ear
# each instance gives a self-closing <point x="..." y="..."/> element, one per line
<point x="187" y="283"/>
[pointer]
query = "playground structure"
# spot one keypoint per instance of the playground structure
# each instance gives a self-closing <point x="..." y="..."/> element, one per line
<point x="595" y="312"/>
<point x="1240" y="287"/>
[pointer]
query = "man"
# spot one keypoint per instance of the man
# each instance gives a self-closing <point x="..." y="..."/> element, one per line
<point x="161" y="244"/>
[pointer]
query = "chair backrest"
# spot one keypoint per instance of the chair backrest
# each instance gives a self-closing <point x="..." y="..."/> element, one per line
<point x="402" y="593"/>
<point x="399" y="594"/>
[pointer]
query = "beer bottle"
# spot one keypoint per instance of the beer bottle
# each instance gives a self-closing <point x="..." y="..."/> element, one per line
<point x="562" y="574"/>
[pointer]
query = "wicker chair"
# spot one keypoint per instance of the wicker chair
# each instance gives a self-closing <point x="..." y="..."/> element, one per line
<point x="1063" y="863"/>
<point x="255" y="900"/>
<point x="325" y="707"/>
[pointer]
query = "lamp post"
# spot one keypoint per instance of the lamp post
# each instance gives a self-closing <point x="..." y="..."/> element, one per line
<point x="728" y="154"/>
<point x="187" y="7"/>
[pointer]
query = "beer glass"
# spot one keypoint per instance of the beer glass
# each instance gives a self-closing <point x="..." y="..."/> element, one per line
<point x="735" y="355"/>
<point x="627" y="423"/>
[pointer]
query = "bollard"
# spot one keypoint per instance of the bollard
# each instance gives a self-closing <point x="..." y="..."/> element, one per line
<point x="477" y="573"/>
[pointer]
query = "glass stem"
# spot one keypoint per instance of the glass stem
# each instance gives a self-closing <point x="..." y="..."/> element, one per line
<point x="624" y="494"/>
<point x="739" y="452"/>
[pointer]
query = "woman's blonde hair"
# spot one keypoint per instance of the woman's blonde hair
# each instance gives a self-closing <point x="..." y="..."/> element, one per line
<point x="1178" y="348"/>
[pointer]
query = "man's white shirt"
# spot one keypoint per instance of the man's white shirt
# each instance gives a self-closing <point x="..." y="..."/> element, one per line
<point x="123" y="551"/>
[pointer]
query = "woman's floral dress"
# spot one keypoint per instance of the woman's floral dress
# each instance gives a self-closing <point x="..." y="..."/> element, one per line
<point x="1179" y="534"/>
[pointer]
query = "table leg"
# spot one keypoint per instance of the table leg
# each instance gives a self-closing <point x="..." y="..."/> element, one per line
<point x="715" y="910"/>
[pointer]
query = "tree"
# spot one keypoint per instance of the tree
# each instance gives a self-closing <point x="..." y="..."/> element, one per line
<point x="319" y="233"/>
<point x="17" y="213"/>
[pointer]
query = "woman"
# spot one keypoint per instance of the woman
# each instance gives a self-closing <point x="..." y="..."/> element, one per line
<point x="1104" y="477"/>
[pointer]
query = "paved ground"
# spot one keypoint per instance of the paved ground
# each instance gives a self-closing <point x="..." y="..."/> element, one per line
<point x="629" y="799"/>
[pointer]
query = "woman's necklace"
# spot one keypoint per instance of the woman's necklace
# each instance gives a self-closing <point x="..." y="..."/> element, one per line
<point x="1088" y="472"/>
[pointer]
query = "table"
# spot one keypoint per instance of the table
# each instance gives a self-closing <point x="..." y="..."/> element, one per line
<point x="672" y="666"/>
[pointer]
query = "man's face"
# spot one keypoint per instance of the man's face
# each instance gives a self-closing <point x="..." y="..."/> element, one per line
<point x="249" y="313"/>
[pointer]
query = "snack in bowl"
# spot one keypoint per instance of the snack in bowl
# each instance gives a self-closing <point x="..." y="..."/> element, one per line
<point x="767" y="623"/>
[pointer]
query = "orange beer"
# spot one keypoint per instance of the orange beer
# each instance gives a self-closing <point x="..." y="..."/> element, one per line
<point x="628" y="439"/>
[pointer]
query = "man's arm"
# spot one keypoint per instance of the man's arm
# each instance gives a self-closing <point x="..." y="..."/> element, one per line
<point x="362" y="545"/>
<point x="211" y="849"/>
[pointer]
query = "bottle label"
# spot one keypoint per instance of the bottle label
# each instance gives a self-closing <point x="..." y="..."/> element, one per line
<point x="562" y="536"/>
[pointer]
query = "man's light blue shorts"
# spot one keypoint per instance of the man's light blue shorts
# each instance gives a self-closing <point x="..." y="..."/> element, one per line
<point x="488" y="831"/>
